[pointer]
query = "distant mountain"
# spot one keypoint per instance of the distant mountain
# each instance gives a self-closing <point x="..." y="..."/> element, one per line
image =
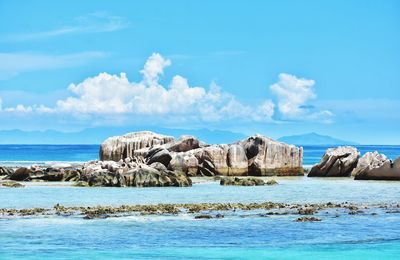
<point x="313" y="139"/>
<point x="99" y="134"/>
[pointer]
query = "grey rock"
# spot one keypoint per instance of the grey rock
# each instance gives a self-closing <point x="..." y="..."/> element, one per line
<point x="121" y="147"/>
<point x="336" y="162"/>
<point x="376" y="166"/>
<point x="158" y="154"/>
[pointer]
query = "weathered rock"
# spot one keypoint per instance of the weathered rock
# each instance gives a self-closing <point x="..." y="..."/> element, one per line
<point x="6" y="171"/>
<point x="21" y="174"/>
<point x="336" y="162"/>
<point x="137" y="175"/>
<point x="241" y="181"/>
<point x="121" y="147"/>
<point x="158" y="154"/>
<point x="268" y="157"/>
<point x="11" y="184"/>
<point x="81" y="184"/>
<point x="183" y="144"/>
<point x="272" y="182"/>
<point x="184" y="162"/>
<point x="376" y="166"/>
<point x="257" y="155"/>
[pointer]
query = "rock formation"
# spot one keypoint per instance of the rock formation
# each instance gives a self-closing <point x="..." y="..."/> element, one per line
<point x="36" y="173"/>
<point x="121" y="147"/>
<point x="336" y="162"/>
<point x="256" y="155"/>
<point x="376" y="166"/>
<point x="121" y="174"/>
<point x="268" y="157"/>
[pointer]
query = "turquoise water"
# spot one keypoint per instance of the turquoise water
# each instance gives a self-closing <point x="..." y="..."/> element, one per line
<point x="240" y="235"/>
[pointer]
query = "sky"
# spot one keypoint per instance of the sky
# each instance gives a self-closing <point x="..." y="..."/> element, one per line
<point x="271" y="67"/>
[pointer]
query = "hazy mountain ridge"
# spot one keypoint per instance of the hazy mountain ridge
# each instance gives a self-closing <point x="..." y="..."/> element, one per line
<point x="314" y="139"/>
<point x="98" y="135"/>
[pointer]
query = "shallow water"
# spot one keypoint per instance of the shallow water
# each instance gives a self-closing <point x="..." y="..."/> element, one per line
<point x="290" y="189"/>
<point x="362" y="236"/>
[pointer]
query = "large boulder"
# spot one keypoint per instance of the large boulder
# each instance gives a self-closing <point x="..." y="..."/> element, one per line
<point x="336" y="162"/>
<point x="158" y="154"/>
<point x="141" y="175"/>
<point x="376" y="166"/>
<point x="269" y="157"/>
<point x="121" y="147"/>
<point x="185" y="162"/>
<point x="183" y="144"/>
<point x="21" y="174"/>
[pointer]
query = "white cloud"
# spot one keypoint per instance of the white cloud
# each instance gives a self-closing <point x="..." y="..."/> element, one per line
<point x="293" y="95"/>
<point x="20" y="109"/>
<point x="107" y="97"/>
<point x="14" y="63"/>
<point x="91" y="23"/>
<point x="107" y="94"/>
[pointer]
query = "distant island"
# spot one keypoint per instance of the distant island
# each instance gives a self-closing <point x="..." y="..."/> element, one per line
<point x="314" y="139"/>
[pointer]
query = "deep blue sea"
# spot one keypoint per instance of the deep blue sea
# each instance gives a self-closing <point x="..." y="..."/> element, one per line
<point x="42" y="154"/>
<point x="239" y="235"/>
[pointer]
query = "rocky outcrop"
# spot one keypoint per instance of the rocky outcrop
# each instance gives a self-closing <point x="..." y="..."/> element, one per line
<point x="158" y="154"/>
<point x="241" y="181"/>
<point x="121" y="147"/>
<point x="11" y="184"/>
<point x="256" y="155"/>
<point x="183" y="144"/>
<point x="268" y="157"/>
<point x="376" y="166"/>
<point x="336" y="162"/>
<point x="6" y="171"/>
<point x="36" y="173"/>
<point x="121" y="174"/>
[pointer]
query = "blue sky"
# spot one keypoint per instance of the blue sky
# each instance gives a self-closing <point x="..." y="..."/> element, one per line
<point x="272" y="67"/>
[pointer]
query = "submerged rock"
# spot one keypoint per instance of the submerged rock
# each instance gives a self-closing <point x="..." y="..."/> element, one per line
<point x="307" y="219"/>
<point x="336" y="162"/>
<point x="376" y="166"/>
<point x="242" y="181"/>
<point x="11" y="184"/>
<point x="272" y="182"/>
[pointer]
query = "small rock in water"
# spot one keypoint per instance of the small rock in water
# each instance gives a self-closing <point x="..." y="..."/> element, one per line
<point x="203" y="217"/>
<point x="272" y="182"/>
<point x="81" y="184"/>
<point x="307" y="219"/>
<point x="11" y="184"/>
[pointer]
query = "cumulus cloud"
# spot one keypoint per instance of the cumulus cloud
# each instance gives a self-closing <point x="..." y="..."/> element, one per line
<point x="293" y="95"/>
<point x="114" y="97"/>
<point x="107" y="94"/>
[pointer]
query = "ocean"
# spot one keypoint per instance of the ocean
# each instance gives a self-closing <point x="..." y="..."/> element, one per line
<point x="48" y="154"/>
<point x="239" y="235"/>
